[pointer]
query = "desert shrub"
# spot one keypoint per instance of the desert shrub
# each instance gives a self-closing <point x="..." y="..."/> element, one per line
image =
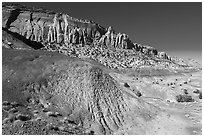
<point x="200" y="95"/>
<point x="23" y="117"/>
<point x="196" y="91"/>
<point x="184" y="98"/>
<point x="185" y="91"/>
<point x="126" y="85"/>
<point x="139" y="94"/>
<point x="91" y="132"/>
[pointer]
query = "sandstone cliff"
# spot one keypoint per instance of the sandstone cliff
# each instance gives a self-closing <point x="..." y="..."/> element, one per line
<point x="48" y="27"/>
<point x="47" y="30"/>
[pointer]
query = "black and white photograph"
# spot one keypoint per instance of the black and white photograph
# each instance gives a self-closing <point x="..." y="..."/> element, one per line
<point x="101" y="68"/>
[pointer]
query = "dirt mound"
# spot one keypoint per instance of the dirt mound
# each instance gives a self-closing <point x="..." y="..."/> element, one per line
<point x="68" y="88"/>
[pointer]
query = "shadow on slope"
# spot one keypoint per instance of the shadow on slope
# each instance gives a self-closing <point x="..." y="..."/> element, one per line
<point x="18" y="37"/>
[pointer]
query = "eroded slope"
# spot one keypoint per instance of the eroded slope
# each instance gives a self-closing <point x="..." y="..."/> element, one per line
<point x="70" y="96"/>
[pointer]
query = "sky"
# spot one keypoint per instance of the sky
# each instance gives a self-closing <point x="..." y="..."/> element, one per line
<point x="169" y="26"/>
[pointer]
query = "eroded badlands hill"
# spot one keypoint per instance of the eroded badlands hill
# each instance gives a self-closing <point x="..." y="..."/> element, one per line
<point x="49" y="93"/>
<point x="51" y="88"/>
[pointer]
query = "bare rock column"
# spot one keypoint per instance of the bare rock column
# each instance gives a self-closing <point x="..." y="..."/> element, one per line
<point x="70" y="35"/>
<point x="75" y="36"/>
<point x="29" y="27"/>
<point x="55" y="23"/>
<point x="81" y="37"/>
<point x="60" y="36"/>
<point x="124" y="41"/>
<point x="66" y="29"/>
<point x="36" y="31"/>
<point x="117" y="40"/>
<point x="40" y="27"/>
<point x="85" y="36"/>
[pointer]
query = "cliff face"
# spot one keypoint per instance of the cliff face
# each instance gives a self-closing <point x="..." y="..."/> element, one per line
<point x="43" y="29"/>
<point x="48" y="27"/>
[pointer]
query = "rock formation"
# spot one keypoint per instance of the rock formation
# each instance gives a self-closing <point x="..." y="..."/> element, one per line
<point x="40" y="27"/>
<point x="162" y="55"/>
<point x="62" y="33"/>
<point x="61" y="28"/>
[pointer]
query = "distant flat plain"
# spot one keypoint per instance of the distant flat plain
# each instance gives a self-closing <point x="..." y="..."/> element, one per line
<point x="196" y="55"/>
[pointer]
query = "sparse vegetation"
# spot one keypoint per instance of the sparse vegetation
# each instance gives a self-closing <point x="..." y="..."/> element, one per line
<point x="196" y="91"/>
<point x="184" y="98"/>
<point x="126" y="85"/>
<point x="200" y="95"/>
<point x="139" y="94"/>
<point x="185" y="91"/>
<point x="185" y="82"/>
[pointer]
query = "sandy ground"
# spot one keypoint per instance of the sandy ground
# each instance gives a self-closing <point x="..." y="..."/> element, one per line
<point x="175" y="118"/>
<point x="155" y="112"/>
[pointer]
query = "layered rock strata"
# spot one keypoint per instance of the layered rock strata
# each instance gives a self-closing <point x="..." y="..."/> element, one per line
<point x="59" y="28"/>
<point x="79" y="38"/>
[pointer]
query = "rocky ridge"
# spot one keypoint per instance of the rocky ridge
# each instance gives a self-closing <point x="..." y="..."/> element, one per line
<point x="81" y="38"/>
